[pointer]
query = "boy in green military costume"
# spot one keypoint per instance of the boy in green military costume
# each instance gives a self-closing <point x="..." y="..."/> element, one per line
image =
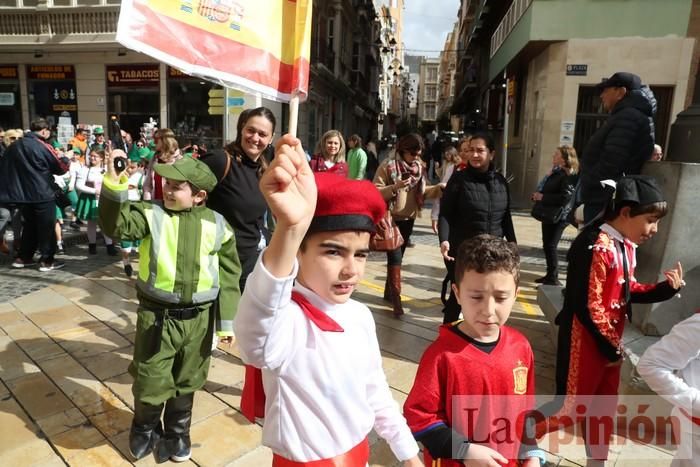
<point x="188" y="259"/>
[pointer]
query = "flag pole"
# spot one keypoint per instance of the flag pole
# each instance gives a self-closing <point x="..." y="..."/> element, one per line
<point x="293" y="114"/>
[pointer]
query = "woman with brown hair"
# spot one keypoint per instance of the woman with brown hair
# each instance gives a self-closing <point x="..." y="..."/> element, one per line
<point x="167" y="152"/>
<point x="237" y="196"/>
<point x="551" y="201"/>
<point x="402" y="181"/>
<point x="330" y="154"/>
<point x="476" y="201"/>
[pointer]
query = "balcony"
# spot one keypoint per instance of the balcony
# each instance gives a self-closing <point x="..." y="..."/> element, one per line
<point x="24" y="26"/>
<point x="513" y="15"/>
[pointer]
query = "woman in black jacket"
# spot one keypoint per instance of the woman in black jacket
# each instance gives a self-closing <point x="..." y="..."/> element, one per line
<point x="551" y="202"/>
<point x="475" y="201"/>
<point x="237" y="196"/>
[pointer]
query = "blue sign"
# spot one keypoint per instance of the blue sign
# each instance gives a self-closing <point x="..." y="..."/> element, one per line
<point x="236" y="101"/>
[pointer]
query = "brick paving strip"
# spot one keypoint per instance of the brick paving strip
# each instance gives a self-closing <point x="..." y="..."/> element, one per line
<point x="66" y="339"/>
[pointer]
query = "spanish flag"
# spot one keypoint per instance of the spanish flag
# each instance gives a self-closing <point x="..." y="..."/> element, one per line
<point x="254" y="45"/>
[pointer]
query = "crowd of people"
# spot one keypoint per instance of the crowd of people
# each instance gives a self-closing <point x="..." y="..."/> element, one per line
<point x="270" y="243"/>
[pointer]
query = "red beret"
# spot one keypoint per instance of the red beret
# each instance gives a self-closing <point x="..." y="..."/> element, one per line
<point x="346" y="204"/>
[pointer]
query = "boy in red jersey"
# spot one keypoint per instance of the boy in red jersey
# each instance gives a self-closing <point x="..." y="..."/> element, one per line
<point x="475" y="383"/>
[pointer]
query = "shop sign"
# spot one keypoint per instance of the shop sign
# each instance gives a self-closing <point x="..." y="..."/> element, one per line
<point x="511" y="88"/>
<point x="216" y="102"/>
<point x="63" y="100"/>
<point x="8" y="72"/>
<point x="576" y="70"/>
<point x="7" y="98"/>
<point x="50" y="72"/>
<point x="133" y="75"/>
<point x="174" y="73"/>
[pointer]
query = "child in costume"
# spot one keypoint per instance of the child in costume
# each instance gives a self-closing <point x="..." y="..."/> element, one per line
<point x="478" y="371"/>
<point x="88" y="184"/>
<point x="318" y="351"/>
<point x="671" y="367"/>
<point x="600" y="288"/>
<point x="188" y="259"/>
<point x="135" y="193"/>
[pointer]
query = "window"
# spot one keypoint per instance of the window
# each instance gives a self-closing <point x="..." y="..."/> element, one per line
<point x="355" y="56"/>
<point x="590" y="114"/>
<point x="431" y="92"/>
<point x="432" y="74"/>
<point x="429" y="112"/>
<point x="188" y="113"/>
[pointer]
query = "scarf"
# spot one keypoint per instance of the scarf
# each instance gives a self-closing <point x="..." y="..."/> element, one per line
<point x="398" y="167"/>
<point x="253" y="396"/>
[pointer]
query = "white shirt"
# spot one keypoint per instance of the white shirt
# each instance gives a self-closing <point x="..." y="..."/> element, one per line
<point x="325" y="391"/>
<point x="671" y="367"/>
<point x="93" y="175"/>
<point x="135" y="180"/>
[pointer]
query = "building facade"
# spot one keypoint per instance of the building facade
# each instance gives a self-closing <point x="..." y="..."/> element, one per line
<point x="530" y="77"/>
<point x="61" y="59"/>
<point x="428" y="85"/>
<point x="446" y="90"/>
<point x="346" y="63"/>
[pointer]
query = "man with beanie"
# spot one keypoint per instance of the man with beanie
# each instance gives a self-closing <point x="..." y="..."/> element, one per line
<point x="622" y="145"/>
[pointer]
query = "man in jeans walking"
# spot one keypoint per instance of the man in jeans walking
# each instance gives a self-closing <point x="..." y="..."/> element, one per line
<point x="26" y="179"/>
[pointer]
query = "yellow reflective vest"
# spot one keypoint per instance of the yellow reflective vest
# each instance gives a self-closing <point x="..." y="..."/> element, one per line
<point x="186" y="257"/>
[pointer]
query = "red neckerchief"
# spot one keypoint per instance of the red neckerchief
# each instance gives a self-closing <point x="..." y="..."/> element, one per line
<point x="461" y="166"/>
<point x="253" y="397"/>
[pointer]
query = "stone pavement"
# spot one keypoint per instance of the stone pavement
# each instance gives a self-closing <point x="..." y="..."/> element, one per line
<point x="66" y="339"/>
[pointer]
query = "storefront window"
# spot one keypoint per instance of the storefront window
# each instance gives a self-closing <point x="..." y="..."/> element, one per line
<point x="188" y="111"/>
<point x="133" y="95"/>
<point x="10" y="110"/>
<point x="52" y="91"/>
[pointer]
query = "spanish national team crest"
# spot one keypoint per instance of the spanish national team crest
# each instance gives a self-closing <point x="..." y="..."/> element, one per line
<point x="520" y="378"/>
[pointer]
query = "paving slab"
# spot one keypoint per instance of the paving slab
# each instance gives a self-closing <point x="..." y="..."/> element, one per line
<point x="66" y="339"/>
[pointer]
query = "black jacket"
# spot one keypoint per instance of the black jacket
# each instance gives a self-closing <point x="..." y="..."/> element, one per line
<point x="27" y="170"/>
<point x="475" y="203"/>
<point x="620" y="146"/>
<point x="237" y="197"/>
<point x="556" y="194"/>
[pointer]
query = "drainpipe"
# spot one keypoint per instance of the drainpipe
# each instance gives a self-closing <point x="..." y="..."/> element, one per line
<point x="504" y="157"/>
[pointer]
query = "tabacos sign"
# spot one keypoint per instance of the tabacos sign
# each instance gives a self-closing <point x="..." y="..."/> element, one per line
<point x="133" y="75"/>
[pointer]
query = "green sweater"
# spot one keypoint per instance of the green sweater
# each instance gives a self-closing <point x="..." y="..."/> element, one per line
<point x="357" y="164"/>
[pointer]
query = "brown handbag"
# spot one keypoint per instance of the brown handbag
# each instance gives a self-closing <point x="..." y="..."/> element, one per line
<point x="388" y="236"/>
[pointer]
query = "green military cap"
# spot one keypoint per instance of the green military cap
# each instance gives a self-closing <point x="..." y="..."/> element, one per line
<point x="189" y="170"/>
<point x="99" y="131"/>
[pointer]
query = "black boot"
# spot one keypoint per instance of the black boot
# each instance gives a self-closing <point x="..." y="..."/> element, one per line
<point x="111" y="250"/>
<point x="387" y="291"/>
<point x="176" y="444"/>
<point x="92" y="248"/>
<point x="145" y="429"/>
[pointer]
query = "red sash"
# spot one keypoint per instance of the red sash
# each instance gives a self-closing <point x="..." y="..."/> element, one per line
<point x="253" y="397"/>
<point x="695" y="420"/>
<point x="356" y="457"/>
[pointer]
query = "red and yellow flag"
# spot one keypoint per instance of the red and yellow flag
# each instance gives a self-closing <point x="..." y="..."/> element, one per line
<point x="255" y="45"/>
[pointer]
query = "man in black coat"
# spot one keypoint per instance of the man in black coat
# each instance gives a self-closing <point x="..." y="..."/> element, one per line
<point x="622" y="144"/>
<point x="26" y="179"/>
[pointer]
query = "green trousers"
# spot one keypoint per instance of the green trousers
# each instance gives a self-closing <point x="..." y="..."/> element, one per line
<point x="176" y="365"/>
